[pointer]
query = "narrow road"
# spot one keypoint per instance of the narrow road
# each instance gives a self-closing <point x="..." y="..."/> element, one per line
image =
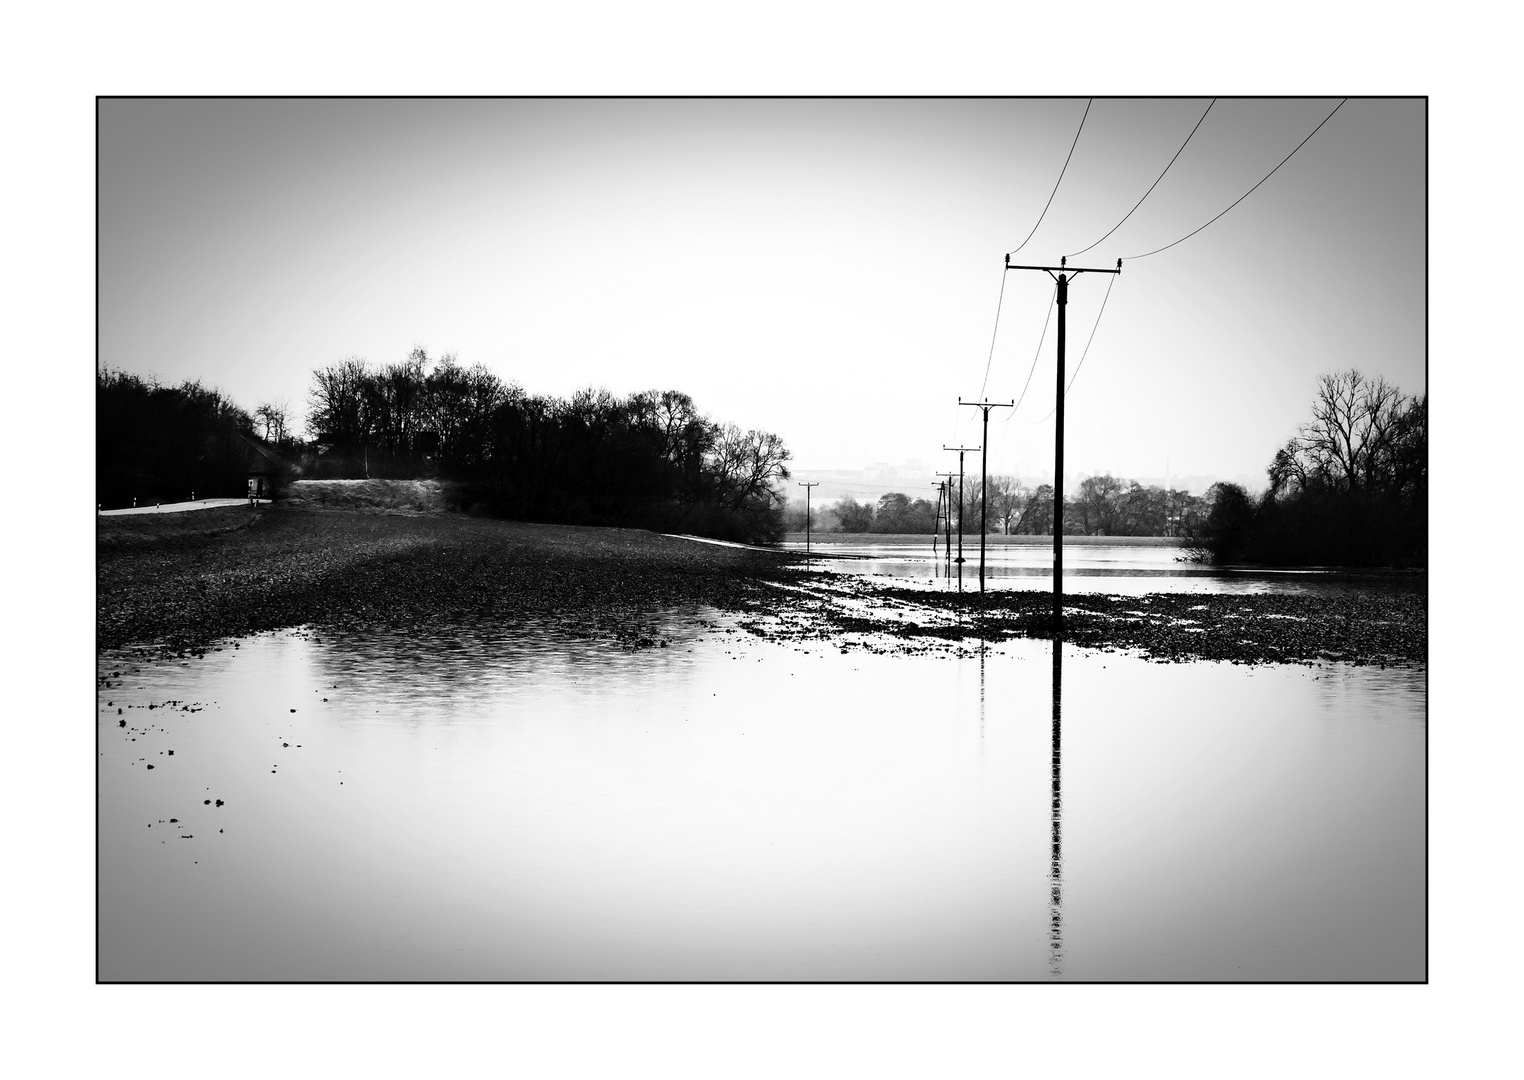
<point x="179" y="507"/>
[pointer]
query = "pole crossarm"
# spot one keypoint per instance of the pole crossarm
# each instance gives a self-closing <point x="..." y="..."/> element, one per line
<point x="1064" y="269"/>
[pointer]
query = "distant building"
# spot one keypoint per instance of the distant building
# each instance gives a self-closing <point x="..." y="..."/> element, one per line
<point x="264" y="470"/>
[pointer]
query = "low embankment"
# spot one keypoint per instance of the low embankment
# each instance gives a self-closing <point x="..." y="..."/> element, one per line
<point x="385" y="496"/>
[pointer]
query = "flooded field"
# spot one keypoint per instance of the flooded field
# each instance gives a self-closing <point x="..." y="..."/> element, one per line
<point x="1126" y="567"/>
<point x="510" y="803"/>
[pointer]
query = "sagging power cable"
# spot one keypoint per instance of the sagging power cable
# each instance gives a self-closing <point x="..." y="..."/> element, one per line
<point x="993" y="332"/>
<point x="1151" y="187"/>
<point x="1051" y="304"/>
<point x="1086" y="353"/>
<point x="1060" y="179"/>
<point x="1246" y="194"/>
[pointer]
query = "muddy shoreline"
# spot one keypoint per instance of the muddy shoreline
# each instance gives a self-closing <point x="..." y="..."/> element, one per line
<point x="178" y="584"/>
<point x="1380" y="626"/>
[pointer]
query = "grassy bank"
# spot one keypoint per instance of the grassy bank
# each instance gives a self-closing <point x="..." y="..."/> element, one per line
<point x="394" y="496"/>
<point x="182" y="581"/>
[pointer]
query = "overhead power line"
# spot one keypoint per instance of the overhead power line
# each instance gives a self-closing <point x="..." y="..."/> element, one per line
<point x="1086" y="353"/>
<point x="1060" y="179"/>
<point x="1151" y="187"/>
<point x="993" y="332"/>
<point x="1037" y="353"/>
<point x="1246" y="194"/>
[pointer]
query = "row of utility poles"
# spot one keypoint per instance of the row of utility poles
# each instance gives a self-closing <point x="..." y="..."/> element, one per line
<point x="1062" y="274"/>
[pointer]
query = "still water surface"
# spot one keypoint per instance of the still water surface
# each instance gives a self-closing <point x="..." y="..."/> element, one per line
<point x="1118" y="569"/>
<point x="511" y="804"/>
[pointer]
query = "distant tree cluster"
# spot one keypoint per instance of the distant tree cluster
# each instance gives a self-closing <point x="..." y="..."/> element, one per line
<point x="1103" y="506"/>
<point x="894" y="513"/>
<point x="1106" y="506"/>
<point x="158" y="443"/>
<point x="649" y="460"/>
<point x="1349" y="489"/>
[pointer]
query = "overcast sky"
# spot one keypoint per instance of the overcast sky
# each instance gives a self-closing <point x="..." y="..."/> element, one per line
<point x="825" y="269"/>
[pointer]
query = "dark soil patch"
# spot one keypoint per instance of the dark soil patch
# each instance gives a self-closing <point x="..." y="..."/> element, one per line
<point x="1360" y="626"/>
<point x="182" y="588"/>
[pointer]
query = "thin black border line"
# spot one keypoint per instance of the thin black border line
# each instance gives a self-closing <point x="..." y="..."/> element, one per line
<point x="1428" y="614"/>
<point x="303" y="98"/>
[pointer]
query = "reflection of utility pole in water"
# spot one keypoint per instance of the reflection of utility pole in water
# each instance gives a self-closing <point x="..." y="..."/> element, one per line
<point x="1056" y="861"/>
<point x="982" y="645"/>
<point x="959" y="559"/>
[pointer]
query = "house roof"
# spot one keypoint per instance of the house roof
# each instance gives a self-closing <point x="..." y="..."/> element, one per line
<point x="259" y="458"/>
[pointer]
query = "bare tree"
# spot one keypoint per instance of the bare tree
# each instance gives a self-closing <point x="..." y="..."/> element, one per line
<point x="1099" y="504"/>
<point x="1007" y="497"/>
<point x="272" y="414"/>
<point x="745" y="465"/>
<point x="1349" y="440"/>
<point x="336" y="401"/>
<point x="1037" y="511"/>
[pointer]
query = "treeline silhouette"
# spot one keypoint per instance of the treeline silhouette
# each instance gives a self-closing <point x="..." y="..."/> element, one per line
<point x="649" y="460"/>
<point x="164" y="443"/>
<point x="1102" y="506"/>
<point x="1351" y="488"/>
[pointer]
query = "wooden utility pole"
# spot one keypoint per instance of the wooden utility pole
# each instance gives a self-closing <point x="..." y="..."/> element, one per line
<point x="1064" y="273"/>
<point x="984" y="474"/>
<point x="807" y="486"/>
<point x="936" y="522"/>
<point x="959" y="559"/>
<point x="947" y="515"/>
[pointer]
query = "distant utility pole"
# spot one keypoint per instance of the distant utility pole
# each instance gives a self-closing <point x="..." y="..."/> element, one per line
<point x="959" y="560"/>
<point x="807" y="486"/>
<point x="1064" y="272"/>
<point x="936" y="522"/>
<point x="984" y="474"/>
<point x="947" y="511"/>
